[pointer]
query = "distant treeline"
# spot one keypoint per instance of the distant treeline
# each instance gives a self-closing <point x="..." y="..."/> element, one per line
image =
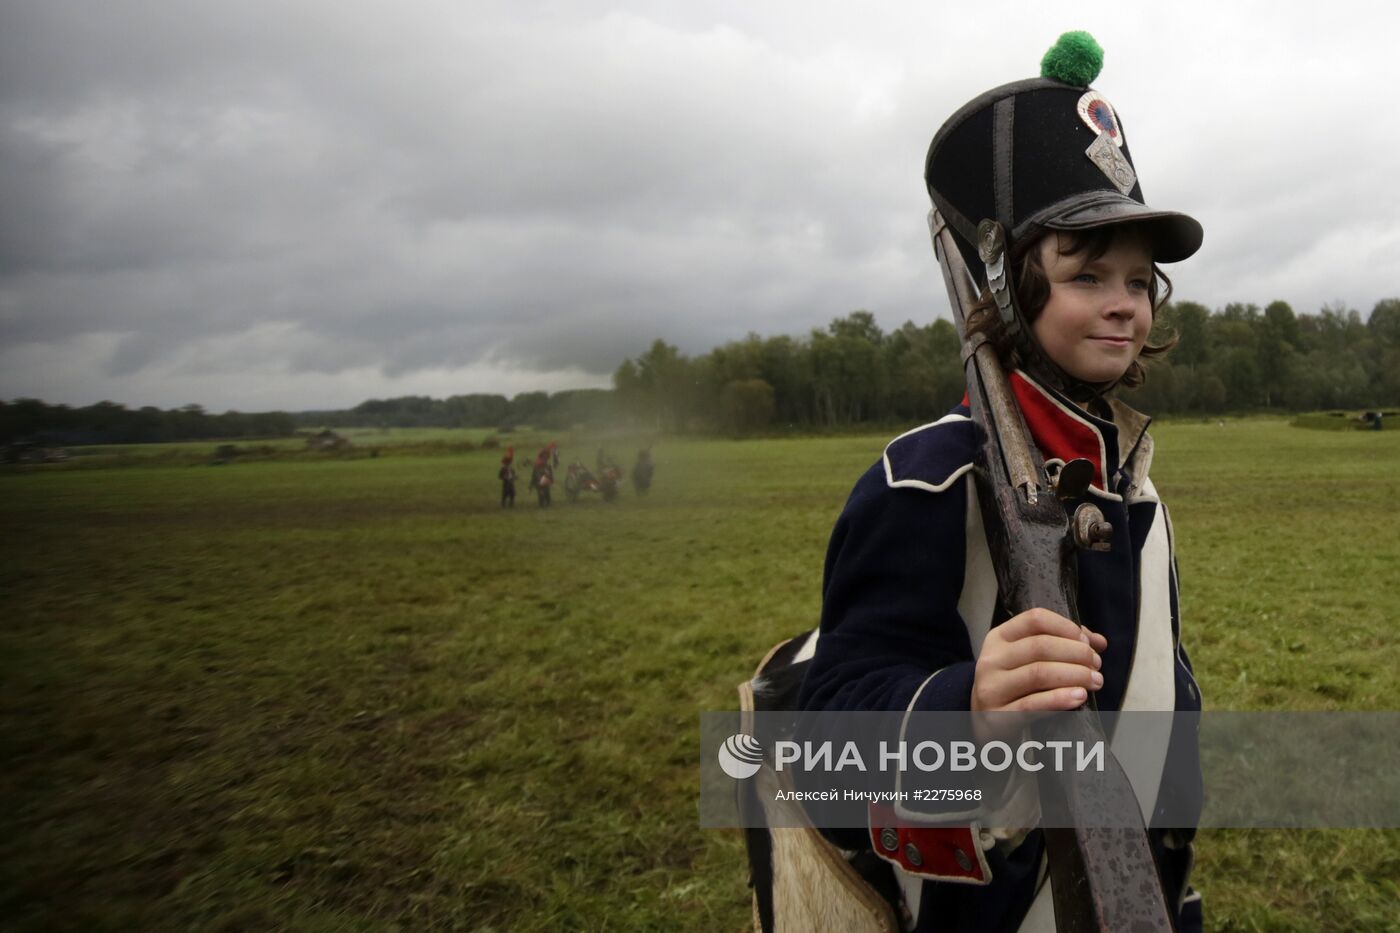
<point x="31" y="420"/>
<point x="536" y="409"/>
<point x="1237" y="359"/>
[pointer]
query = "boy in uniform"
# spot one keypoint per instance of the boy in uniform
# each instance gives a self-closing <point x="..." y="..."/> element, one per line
<point x="911" y="617"/>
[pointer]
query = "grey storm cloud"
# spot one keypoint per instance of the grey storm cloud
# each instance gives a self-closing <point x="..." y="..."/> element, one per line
<point x="285" y="194"/>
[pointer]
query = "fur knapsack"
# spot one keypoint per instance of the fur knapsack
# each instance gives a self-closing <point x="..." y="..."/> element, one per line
<point x="801" y="882"/>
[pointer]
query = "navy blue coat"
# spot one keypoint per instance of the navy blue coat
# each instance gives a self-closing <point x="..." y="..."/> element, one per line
<point x="909" y="594"/>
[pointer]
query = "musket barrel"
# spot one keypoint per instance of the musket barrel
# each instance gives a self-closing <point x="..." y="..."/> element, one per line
<point x="1022" y="470"/>
<point x="1103" y="880"/>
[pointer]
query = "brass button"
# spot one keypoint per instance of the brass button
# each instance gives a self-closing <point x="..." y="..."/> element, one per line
<point x="912" y="853"/>
<point x="889" y="839"/>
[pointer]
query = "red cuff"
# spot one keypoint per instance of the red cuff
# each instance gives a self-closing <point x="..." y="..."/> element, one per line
<point x="944" y="853"/>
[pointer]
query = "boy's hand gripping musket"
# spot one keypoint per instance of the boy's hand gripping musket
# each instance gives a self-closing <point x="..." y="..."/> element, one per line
<point x="1104" y="879"/>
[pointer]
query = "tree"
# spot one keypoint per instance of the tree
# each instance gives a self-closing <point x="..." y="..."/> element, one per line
<point x="1278" y="341"/>
<point x="632" y="396"/>
<point x="528" y="408"/>
<point x="1384" y="322"/>
<point x="858" y="325"/>
<point x="747" y="405"/>
<point x="1387" y="387"/>
<point x="925" y="371"/>
<point x="1190" y="322"/>
<point x="1282" y="324"/>
<point x="846" y="362"/>
<point x="787" y="367"/>
<point x="738" y="360"/>
<point x="477" y="410"/>
<point x="1237" y="311"/>
<point x="661" y="386"/>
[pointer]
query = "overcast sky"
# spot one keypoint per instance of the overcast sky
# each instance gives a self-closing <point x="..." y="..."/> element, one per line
<point x="302" y="204"/>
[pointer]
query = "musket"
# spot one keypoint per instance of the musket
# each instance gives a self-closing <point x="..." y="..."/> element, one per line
<point x="1101" y="869"/>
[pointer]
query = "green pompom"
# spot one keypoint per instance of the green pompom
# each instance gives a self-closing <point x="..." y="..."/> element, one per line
<point x="1075" y="58"/>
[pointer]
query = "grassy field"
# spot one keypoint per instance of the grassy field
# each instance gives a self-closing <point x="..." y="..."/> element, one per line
<point x="357" y="695"/>
<point x="363" y="443"/>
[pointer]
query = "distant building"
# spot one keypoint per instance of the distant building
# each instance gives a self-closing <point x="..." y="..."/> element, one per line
<point x="327" y="440"/>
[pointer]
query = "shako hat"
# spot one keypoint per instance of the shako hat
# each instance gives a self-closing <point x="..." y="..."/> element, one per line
<point x="1046" y="153"/>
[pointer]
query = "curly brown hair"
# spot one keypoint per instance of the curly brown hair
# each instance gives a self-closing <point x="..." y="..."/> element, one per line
<point x="1033" y="292"/>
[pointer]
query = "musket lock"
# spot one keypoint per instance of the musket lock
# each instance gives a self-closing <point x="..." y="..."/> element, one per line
<point x="1090" y="530"/>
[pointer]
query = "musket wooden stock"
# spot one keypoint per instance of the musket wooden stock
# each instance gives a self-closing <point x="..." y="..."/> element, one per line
<point x="1104" y="879"/>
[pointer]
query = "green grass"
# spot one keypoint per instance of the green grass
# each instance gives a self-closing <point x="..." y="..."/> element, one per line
<point x="1331" y="421"/>
<point x="392" y="436"/>
<point x="364" y="443"/>
<point x="356" y="694"/>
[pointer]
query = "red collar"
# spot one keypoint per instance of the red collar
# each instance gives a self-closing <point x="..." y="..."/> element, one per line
<point x="1062" y="430"/>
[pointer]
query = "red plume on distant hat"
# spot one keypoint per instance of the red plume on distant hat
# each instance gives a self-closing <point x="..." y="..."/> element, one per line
<point x="510" y="455"/>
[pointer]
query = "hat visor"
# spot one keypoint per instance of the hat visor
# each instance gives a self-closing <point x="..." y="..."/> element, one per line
<point x="1174" y="236"/>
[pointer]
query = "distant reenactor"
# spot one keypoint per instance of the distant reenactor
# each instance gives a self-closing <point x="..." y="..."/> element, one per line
<point x="641" y="473"/>
<point x="542" y="477"/>
<point x="507" y="475"/>
<point x="609" y="475"/>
